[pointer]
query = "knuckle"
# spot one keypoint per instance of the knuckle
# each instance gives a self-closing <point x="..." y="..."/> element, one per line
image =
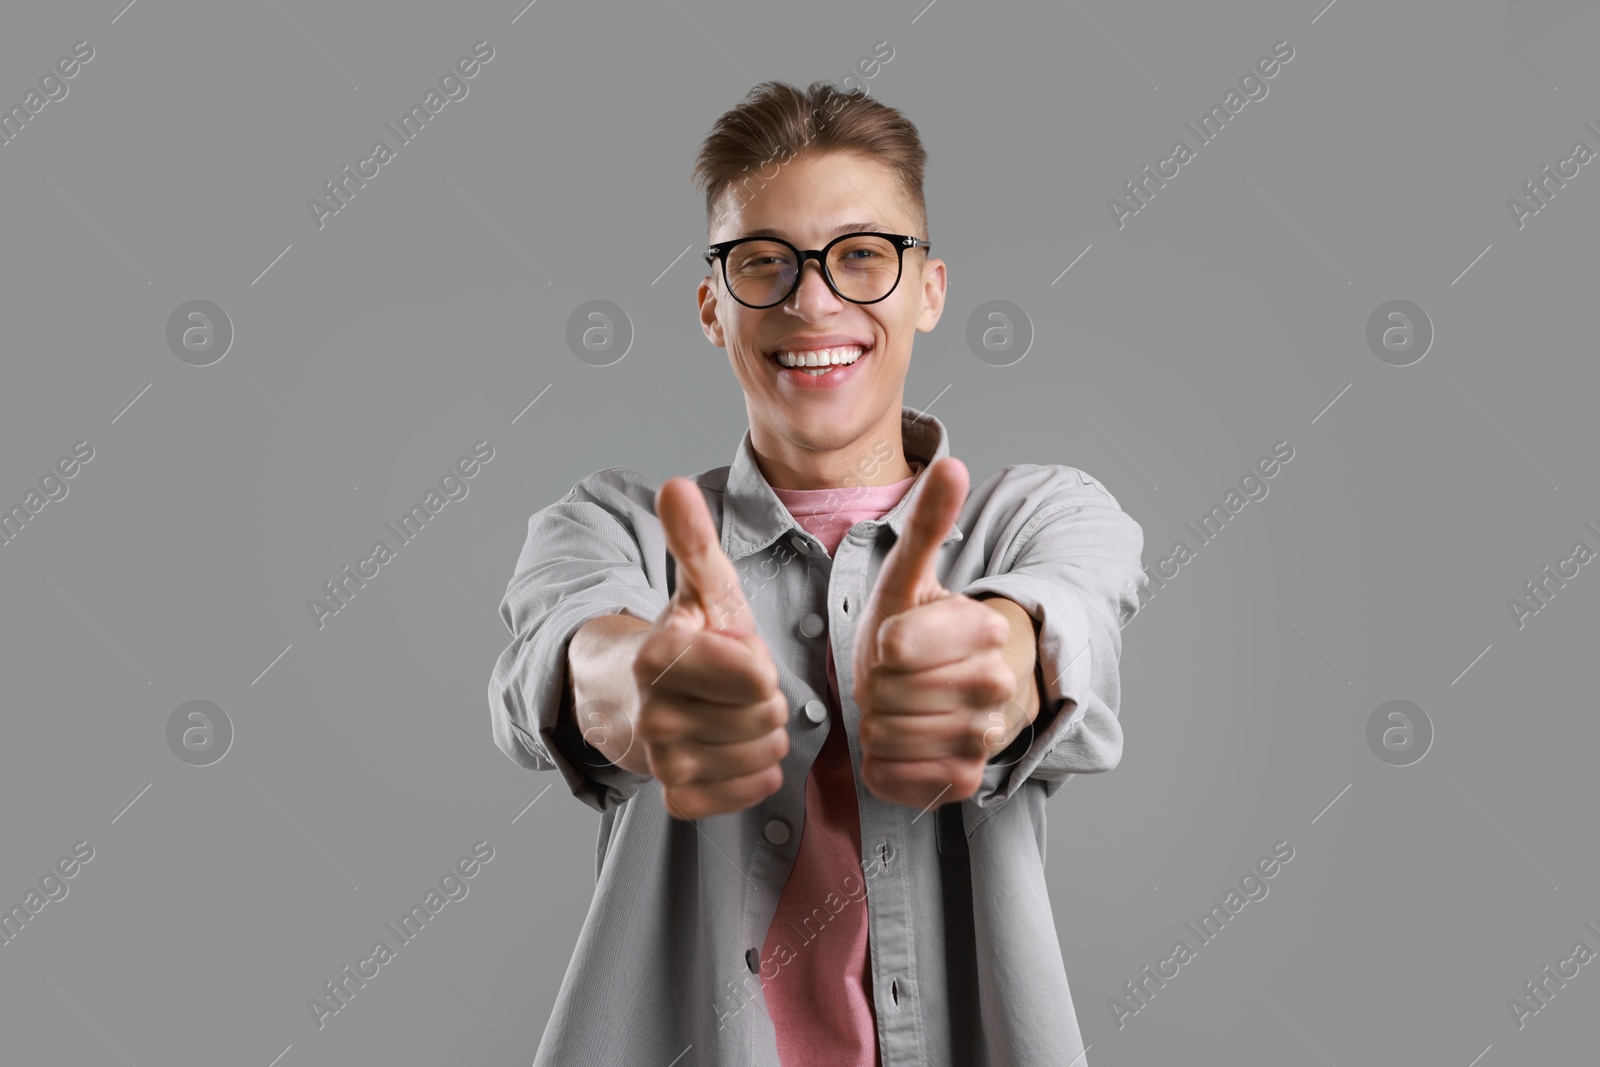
<point x="748" y="724"/>
<point x="660" y="770"/>
<point x="681" y="803"/>
<point x="649" y="660"/>
<point x="867" y="730"/>
<point x="673" y="766"/>
<point x="765" y="670"/>
<point x="994" y="685"/>
<point x="897" y="650"/>
<point x="654" y="725"/>
<point x="876" y="689"/>
<point x="880" y="734"/>
<point x="966" y="780"/>
<point x="765" y="675"/>
<point x="985" y="738"/>
<point x="965" y="776"/>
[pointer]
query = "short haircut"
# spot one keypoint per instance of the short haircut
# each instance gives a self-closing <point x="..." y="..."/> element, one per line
<point x="777" y="122"/>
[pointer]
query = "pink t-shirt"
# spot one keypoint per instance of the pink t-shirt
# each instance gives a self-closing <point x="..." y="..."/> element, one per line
<point x="821" y="999"/>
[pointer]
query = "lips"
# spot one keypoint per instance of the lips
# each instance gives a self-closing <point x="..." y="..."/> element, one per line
<point x="826" y="379"/>
<point x="824" y="350"/>
<point x="815" y="342"/>
<point x="819" y="358"/>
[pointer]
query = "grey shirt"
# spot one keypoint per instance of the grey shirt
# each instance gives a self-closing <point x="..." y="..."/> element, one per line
<point x="966" y="968"/>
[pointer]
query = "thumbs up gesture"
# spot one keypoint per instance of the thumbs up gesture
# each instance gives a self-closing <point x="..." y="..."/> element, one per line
<point x="711" y="716"/>
<point x="934" y="690"/>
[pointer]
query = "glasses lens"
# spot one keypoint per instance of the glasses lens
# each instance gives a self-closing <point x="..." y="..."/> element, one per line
<point x="864" y="267"/>
<point x="760" y="272"/>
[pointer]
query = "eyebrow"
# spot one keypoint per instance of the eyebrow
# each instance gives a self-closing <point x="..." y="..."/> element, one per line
<point x="847" y="227"/>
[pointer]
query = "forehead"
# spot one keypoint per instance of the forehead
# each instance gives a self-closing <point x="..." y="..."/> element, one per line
<point x="812" y="198"/>
<point x="869" y="225"/>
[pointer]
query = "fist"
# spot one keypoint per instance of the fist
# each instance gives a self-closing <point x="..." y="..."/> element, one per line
<point x="936" y="694"/>
<point x="712" y="719"/>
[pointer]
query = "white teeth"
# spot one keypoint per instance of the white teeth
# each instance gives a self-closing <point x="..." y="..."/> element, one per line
<point x="823" y="357"/>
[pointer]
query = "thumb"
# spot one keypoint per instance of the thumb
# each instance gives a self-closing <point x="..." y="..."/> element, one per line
<point x="908" y="577"/>
<point x="707" y="579"/>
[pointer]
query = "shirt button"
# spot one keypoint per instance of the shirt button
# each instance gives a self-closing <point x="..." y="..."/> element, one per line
<point x="812" y="625"/>
<point x="816" y="711"/>
<point x="800" y="544"/>
<point x="776" y="831"/>
<point x="752" y="960"/>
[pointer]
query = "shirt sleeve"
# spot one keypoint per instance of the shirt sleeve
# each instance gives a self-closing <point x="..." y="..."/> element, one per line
<point x="1074" y="567"/>
<point x="583" y="559"/>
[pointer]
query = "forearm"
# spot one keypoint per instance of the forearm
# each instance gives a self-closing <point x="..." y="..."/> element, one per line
<point x="1021" y="653"/>
<point x="600" y="682"/>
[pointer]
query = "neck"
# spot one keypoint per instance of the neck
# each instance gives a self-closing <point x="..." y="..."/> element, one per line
<point x="876" y="457"/>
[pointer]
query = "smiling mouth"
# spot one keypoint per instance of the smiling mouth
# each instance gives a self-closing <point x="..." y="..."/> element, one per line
<point x="817" y="362"/>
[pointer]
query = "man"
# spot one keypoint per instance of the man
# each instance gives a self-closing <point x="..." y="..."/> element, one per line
<point x="820" y="696"/>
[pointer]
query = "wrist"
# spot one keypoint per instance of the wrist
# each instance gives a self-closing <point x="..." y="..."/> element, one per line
<point x="1021" y="653"/>
<point x="600" y="708"/>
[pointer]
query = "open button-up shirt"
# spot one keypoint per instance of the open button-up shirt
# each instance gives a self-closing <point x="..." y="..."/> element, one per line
<point x="966" y="967"/>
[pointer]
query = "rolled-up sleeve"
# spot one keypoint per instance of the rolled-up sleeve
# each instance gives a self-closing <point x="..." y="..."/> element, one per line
<point x="1074" y="567"/>
<point x="583" y="559"/>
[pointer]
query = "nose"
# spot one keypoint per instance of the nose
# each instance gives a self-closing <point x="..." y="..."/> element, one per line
<point x="813" y="297"/>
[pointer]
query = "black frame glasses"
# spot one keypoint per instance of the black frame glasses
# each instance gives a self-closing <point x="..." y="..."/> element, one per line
<point x="900" y="241"/>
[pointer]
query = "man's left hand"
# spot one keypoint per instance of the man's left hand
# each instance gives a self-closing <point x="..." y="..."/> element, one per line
<point x="937" y="696"/>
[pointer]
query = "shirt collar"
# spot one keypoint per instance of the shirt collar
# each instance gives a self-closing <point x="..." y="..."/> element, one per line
<point x="753" y="517"/>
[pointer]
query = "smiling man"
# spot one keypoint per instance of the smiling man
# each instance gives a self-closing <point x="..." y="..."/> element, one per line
<point x="819" y="696"/>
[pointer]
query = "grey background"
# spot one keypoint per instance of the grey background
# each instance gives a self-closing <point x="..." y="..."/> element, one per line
<point x="425" y="316"/>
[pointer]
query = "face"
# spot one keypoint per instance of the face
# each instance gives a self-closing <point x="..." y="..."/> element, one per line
<point x="810" y="432"/>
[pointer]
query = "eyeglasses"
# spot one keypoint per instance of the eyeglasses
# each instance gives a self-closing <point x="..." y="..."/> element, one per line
<point x="763" y="272"/>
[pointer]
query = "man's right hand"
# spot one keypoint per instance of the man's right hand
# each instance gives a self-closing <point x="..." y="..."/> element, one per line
<point x="713" y="722"/>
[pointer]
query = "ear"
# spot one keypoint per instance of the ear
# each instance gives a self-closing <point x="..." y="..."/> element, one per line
<point x="706" y="295"/>
<point x="933" y="286"/>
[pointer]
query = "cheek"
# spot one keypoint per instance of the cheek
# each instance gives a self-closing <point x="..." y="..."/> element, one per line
<point x="896" y="327"/>
<point x="742" y="326"/>
<point x="909" y="304"/>
<point x="749" y="366"/>
<point x="745" y="362"/>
